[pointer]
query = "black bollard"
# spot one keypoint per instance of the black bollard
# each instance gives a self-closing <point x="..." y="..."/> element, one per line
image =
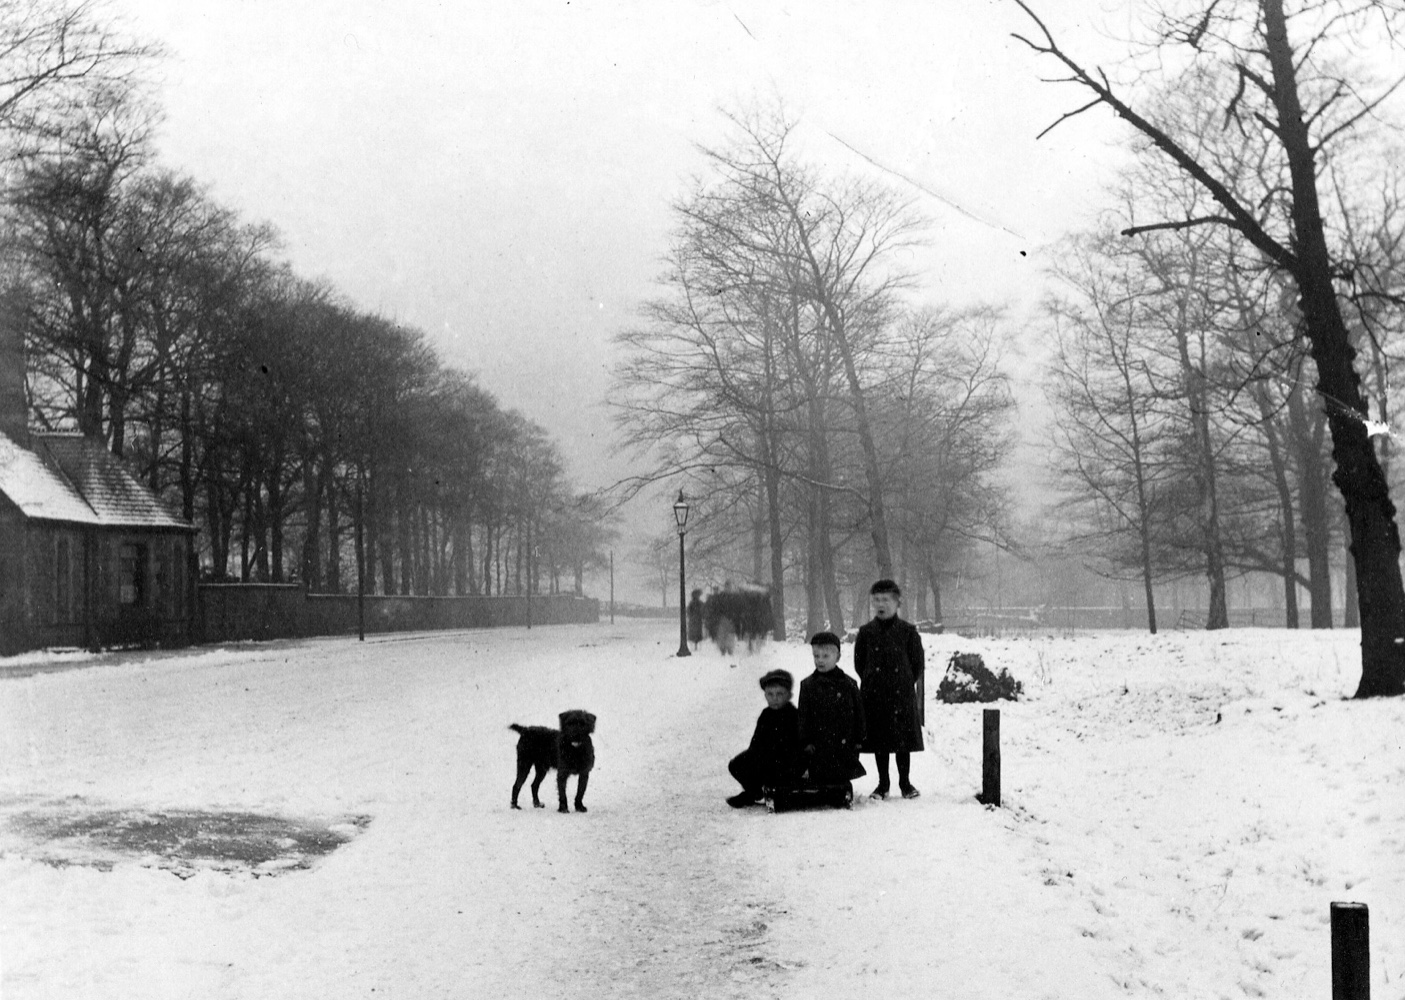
<point x="1351" y="952"/>
<point x="990" y="765"/>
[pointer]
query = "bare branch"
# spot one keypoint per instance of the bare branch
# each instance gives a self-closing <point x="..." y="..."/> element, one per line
<point x="1070" y="114"/>
<point x="1241" y="218"/>
<point x="1222" y="220"/>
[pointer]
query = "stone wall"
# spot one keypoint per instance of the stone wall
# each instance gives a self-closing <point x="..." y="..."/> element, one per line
<point x="230" y="612"/>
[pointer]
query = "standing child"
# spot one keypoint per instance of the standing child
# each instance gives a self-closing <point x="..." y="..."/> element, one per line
<point x="772" y="759"/>
<point x="889" y="660"/>
<point x="831" y="717"/>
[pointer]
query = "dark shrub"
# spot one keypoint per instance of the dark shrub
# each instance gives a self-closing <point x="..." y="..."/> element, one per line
<point x="967" y="678"/>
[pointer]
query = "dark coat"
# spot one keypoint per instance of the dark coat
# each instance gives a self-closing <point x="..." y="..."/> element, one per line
<point x="773" y="758"/>
<point x="695" y="620"/>
<point x="889" y="660"/>
<point x="831" y="721"/>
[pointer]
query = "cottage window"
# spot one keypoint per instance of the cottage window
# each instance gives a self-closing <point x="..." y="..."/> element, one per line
<point x="63" y="580"/>
<point x="131" y="575"/>
<point x="178" y="580"/>
<point x="161" y="581"/>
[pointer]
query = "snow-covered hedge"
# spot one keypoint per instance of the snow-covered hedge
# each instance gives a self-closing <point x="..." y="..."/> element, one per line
<point x="967" y="678"/>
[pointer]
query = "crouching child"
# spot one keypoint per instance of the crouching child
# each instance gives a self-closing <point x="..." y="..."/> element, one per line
<point x="773" y="758"/>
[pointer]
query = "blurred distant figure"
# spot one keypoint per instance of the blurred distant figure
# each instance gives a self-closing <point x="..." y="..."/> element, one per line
<point x="695" y="619"/>
<point x="734" y="613"/>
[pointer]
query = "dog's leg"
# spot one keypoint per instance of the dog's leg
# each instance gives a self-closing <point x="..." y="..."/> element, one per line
<point x="561" y="791"/>
<point x="582" y="780"/>
<point x="537" y="803"/>
<point x="523" y="769"/>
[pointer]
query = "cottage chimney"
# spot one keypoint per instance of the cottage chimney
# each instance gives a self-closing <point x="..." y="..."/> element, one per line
<point x="14" y="411"/>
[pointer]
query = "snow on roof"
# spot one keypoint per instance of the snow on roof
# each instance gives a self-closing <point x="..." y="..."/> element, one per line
<point x="37" y="490"/>
<point x="66" y="477"/>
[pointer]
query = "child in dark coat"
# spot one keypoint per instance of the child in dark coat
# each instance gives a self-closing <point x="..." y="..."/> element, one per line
<point x="889" y="660"/>
<point x="772" y="760"/>
<point x="831" y="717"/>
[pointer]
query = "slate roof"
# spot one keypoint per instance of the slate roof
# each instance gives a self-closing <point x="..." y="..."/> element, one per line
<point x="66" y="477"/>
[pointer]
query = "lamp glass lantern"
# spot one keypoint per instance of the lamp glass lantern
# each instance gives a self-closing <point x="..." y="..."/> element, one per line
<point x="680" y="512"/>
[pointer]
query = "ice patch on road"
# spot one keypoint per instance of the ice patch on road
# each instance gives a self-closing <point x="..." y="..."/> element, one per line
<point x="75" y="831"/>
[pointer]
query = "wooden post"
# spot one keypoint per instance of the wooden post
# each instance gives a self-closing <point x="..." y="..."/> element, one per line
<point x="990" y="769"/>
<point x="1351" y="952"/>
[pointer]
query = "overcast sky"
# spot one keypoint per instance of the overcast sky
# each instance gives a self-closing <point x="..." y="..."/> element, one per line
<point x="499" y="174"/>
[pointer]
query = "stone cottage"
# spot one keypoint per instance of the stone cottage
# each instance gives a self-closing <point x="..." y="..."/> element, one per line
<point x="89" y="556"/>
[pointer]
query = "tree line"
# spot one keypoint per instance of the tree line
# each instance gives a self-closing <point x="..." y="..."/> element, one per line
<point x="830" y="430"/>
<point x="303" y="435"/>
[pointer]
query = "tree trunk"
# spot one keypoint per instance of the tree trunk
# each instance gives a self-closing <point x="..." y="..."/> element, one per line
<point x="1204" y="473"/>
<point x="758" y="535"/>
<point x="246" y="490"/>
<point x="462" y="555"/>
<point x="423" y="581"/>
<point x="468" y="556"/>
<point x="834" y="319"/>
<point x="333" y="539"/>
<point x="773" y="522"/>
<point x="314" y="486"/>
<point x="1139" y="469"/>
<point x="1375" y="539"/>
<point x="92" y="378"/>
<point x="371" y="530"/>
<point x="814" y="592"/>
<point x="1351" y="614"/>
<point x="1312" y="503"/>
<point x="1287" y="529"/>
<point x="824" y="549"/>
<point x="936" y="594"/>
<point x="878" y="520"/>
<point x="404" y="546"/>
<point x="187" y="459"/>
<point x="489" y="583"/>
<point x="259" y="532"/>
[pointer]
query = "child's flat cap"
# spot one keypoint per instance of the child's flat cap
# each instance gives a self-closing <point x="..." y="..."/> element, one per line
<point x="778" y="677"/>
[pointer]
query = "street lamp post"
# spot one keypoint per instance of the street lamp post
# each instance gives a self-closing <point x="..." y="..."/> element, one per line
<point x="680" y="514"/>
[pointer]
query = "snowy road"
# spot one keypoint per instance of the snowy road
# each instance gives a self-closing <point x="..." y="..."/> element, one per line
<point x="447" y="892"/>
<point x="1129" y="859"/>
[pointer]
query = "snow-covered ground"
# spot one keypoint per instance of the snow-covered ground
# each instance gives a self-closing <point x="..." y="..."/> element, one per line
<point x="1179" y="812"/>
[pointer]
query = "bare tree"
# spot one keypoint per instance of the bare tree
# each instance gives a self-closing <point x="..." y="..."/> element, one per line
<point x="945" y="413"/>
<point x="840" y="243"/>
<point x="1110" y="430"/>
<point x="54" y="56"/>
<point x="1288" y="94"/>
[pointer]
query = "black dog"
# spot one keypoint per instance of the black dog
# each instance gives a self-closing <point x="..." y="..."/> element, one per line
<point x="568" y="749"/>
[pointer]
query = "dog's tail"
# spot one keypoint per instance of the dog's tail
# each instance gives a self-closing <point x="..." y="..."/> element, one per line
<point x="517" y="729"/>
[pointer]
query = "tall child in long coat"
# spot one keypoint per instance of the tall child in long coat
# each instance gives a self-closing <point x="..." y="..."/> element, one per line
<point x="889" y="660"/>
<point x="831" y="717"/>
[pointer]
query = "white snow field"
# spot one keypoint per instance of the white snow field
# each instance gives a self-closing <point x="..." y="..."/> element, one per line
<point x="1144" y="848"/>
